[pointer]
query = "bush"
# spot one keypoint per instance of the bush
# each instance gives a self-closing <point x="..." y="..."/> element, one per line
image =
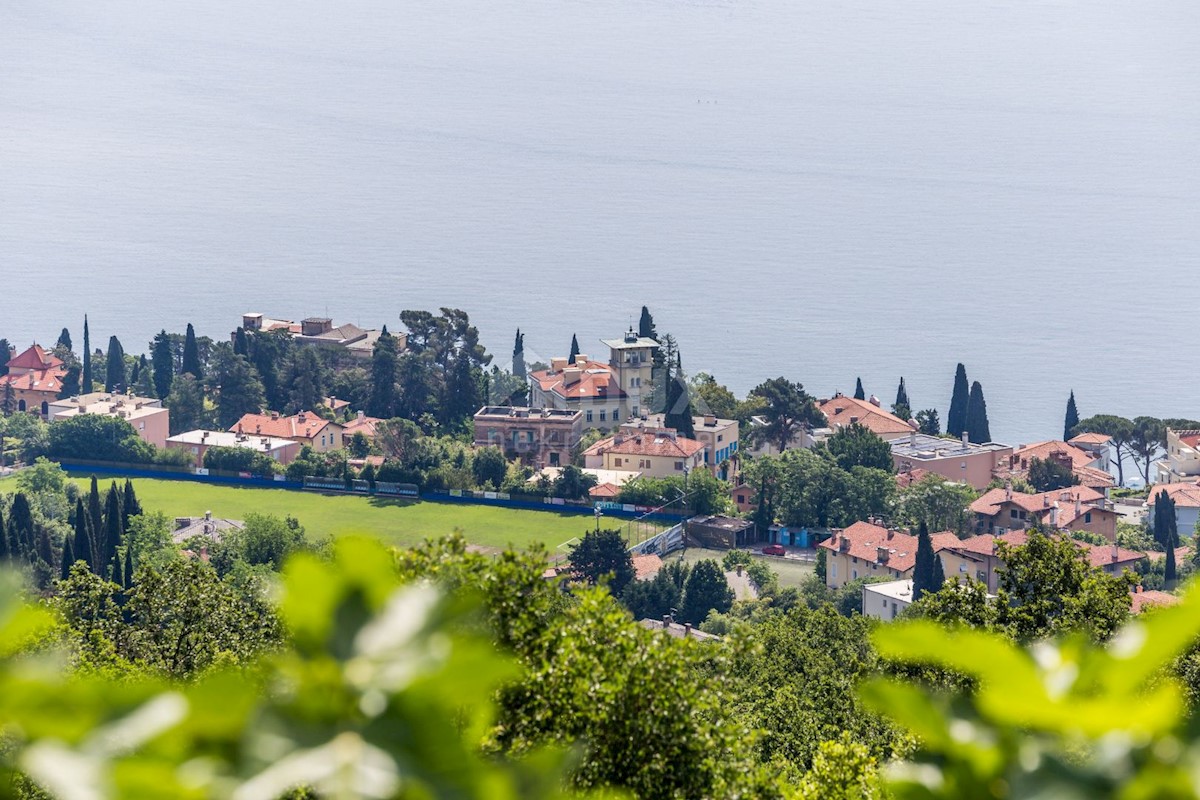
<point x="98" y="438"/>
<point x="239" y="459"/>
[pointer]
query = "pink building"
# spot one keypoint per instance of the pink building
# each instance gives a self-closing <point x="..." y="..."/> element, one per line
<point x="197" y="443"/>
<point x="146" y="414"/>
<point x="973" y="464"/>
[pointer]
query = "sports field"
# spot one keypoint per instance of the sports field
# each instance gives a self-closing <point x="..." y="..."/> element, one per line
<point x="395" y="521"/>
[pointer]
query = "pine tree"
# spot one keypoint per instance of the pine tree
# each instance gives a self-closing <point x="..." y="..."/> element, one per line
<point x="130" y="507"/>
<point x="68" y="559"/>
<point x="112" y="523"/>
<point x="163" y="362"/>
<point x="574" y="350"/>
<point x="518" y="356"/>
<point x="924" y="570"/>
<point x="64" y="340"/>
<point x="87" y="357"/>
<point x="128" y="567"/>
<point x="1072" y="418"/>
<point x="83" y="537"/>
<point x="859" y="392"/>
<point x="956" y="418"/>
<point x="646" y="329"/>
<point x="191" y="354"/>
<point x="114" y="366"/>
<point x="978" y="430"/>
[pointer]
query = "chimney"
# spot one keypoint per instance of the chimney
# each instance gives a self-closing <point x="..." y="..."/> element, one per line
<point x="1054" y="515"/>
<point x="881" y="553"/>
<point x="687" y="629"/>
<point x="207" y="515"/>
<point x="1116" y="553"/>
<point x="966" y="440"/>
<point x="1008" y="490"/>
<point x="667" y="621"/>
<point x="710" y="419"/>
<point x="912" y="439"/>
<point x="571" y="375"/>
<point x="1139" y="589"/>
<point x="361" y="415"/>
<point x="890" y="535"/>
<point x="844" y="544"/>
<point x="1078" y="507"/>
<point x="874" y="401"/>
<point x="580" y="360"/>
<point x="303" y="416"/>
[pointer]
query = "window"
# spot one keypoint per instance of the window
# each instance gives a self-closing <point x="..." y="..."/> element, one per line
<point x="741" y="498"/>
<point x="603" y="415"/>
<point x="833" y="569"/>
<point x="616" y="415"/>
<point x="616" y="462"/>
<point x="633" y="411"/>
<point x="1087" y="518"/>
<point x="1013" y="513"/>
<point x="554" y="459"/>
<point x="854" y="575"/>
<point x="589" y="415"/>
<point x="720" y="437"/>
<point x="679" y="466"/>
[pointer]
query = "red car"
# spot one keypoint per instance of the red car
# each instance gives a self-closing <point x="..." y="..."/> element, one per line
<point x="774" y="550"/>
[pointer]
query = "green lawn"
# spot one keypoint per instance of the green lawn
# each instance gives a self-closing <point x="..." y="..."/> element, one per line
<point x="395" y="521"/>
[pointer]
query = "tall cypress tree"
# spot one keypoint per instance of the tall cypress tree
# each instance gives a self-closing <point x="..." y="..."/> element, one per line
<point x="924" y="569"/>
<point x="130" y="507"/>
<point x="87" y="357"/>
<point x="20" y="523"/>
<point x="382" y="402"/>
<point x="116" y="571"/>
<point x="45" y="552"/>
<point x="64" y="340"/>
<point x="191" y="354"/>
<point x="3" y="537"/>
<point x="901" y="408"/>
<point x="978" y="430"/>
<point x="241" y="344"/>
<point x="574" y="349"/>
<point x="939" y="574"/>
<point x="679" y="403"/>
<point x="112" y="525"/>
<point x="518" y="358"/>
<point x="163" y="362"/>
<point x="114" y="366"/>
<point x="128" y="567"/>
<point x="956" y="418"/>
<point x="83" y="537"/>
<point x="1072" y="418"/>
<point x="859" y="392"/>
<point x="646" y="328"/>
<point x="68" y="559"/>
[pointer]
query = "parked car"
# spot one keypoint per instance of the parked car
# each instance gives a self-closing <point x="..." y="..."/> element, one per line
<point x="774" y="550"/>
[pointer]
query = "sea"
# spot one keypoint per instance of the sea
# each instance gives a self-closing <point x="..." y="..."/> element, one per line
<point x="818" y="190"/>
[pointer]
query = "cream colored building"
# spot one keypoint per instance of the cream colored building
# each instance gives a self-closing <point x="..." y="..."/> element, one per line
<point x="1182" y="461"/>
<point x="654" y="452"/>
<point x="719" y="437"/>
<point x="307" y="428"/>
<point x="631" y="359"/>
<point x="146" y="414"/>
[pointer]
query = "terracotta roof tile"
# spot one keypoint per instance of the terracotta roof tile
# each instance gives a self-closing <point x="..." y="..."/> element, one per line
<point x="298" y="426"/>
<point x="1186" y="495"/>
<point x="844" y="411"/>
<point x="34" y="358"/>
<point x="596" y="379"/>
<point x="865" y="540"/>
<point x="46" y="381"/>
<point x="1139" y="601"/>
<point x="1091" y="438"/>
<point x="647" y="444"/>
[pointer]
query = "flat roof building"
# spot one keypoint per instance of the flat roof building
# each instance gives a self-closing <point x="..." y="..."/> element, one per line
<point x="146" y="414"/>
<point x="540" y="437"/>
<point x="959" y="460"/>
<point x="198" y="442"/>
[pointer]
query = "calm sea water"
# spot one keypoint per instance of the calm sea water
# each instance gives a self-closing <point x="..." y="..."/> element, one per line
<point x="818" y="190"/>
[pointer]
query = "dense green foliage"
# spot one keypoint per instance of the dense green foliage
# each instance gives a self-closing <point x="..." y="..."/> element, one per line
<point x="601" y="557"/>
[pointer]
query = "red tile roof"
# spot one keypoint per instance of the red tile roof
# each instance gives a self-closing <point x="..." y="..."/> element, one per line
<point x="1043" y="451"/>
<point x="646" y="444"/>
<point x="364" y="424"/>
<point x="865" y="540"/>
<point x="35" y="358"/>
<point x="1141" y="600"/>
<point x="842" y="411"/>
<point x="1186" y="495"/>
<point x="992" y="502"/>
<point x="1098" y="555"/>
<point x="605" y="491"/>
<point x="305" y="425"/>
<point x="1091" y="438"/>
<point x="596" y="379"/>
<point x="909" y="477"/>
<point x="45" y="381"/>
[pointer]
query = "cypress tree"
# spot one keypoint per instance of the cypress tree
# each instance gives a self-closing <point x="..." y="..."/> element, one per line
<point x="3" y="537"/>
<point x="44" y="551"/>
<point x="117" y="577"/>
<point x="646" y="328"/>
<point x="859" y="393"/>
<point x="978" y="430"/>
<point x="130" y="507"/>
<point x="382" y="402"/>
<point x="163" y="362"/>
<point x="518" y="358"/>
<point x="112" y="526"/>
<point x="83" y="537"/>
<point x="924" y="569"/>
<point x="64" y="340"/>
<point x="1169" y="571"/>
<point x="20" y="523"/>
<point x="114" y="366"/>
<point x="939" y="574"/>
<point x="1072" y="418"/>
<point x="128" y="567"/>
<point x="241" y="345"/>
<point x="902" y="394"/>
<point x="574" y="349"/>
<point x="679" y="403"/>
<point x="71" y="383"/>
<point x="87" y="357"/>
<point x="96" y="518"/>
<point x="68" y="559"/>
<point x="191" y="354"/>
<point x="956" y="418"/>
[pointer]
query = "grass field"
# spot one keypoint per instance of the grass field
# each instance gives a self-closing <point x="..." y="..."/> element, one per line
<point x="395" y="521"/>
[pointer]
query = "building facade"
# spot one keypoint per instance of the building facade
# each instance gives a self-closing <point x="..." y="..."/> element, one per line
<point x="1181" y="462"/>
<point x="34" y="381"/>
<point x="631" y="359"/>
<point x="1074" y="508"/>
<point x="958" y="460"/>
<point x="198" y="442"/>
<point x="306" y="428"/>
<point x="538" y="437"/>
<point x="589" y="387"/>
<point x="654" y="452"/>
<point x="719" y="437"/>
<point x="146" y="414"/>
